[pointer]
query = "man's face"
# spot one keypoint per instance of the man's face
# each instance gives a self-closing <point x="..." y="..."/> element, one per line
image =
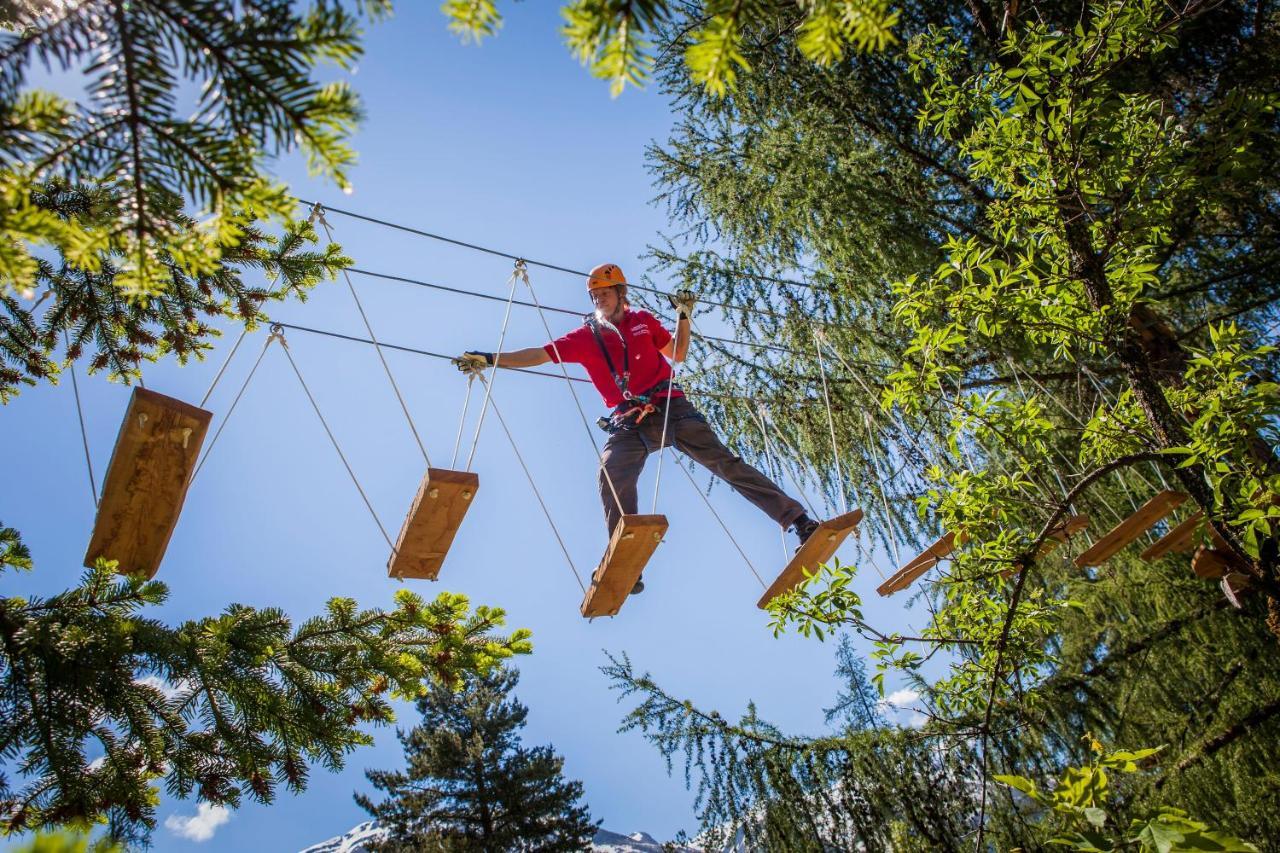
<point x="606" y="300"/>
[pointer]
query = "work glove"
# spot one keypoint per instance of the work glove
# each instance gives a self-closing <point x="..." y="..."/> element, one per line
<point x="472" y="361"/>
<point x="683" y="301"/>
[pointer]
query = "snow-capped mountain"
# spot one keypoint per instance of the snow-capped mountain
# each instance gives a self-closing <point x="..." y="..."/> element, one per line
<point x="355" y="839"/>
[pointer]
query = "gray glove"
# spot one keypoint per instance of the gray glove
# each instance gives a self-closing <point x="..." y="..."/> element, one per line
<point x="683" y="301"/>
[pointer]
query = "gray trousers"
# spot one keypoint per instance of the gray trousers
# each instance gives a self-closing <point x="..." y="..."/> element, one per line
<point x="625" y="452"/>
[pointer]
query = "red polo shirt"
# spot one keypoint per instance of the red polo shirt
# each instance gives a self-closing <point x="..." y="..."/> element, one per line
<point x="645" y="337"/>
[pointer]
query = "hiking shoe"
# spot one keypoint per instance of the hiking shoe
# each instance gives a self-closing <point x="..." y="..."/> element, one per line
<point x="804" y="527"/>
<point x="639" y="587"/>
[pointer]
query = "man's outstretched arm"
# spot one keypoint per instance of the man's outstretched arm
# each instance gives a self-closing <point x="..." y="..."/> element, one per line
<point x="531" y="357"/>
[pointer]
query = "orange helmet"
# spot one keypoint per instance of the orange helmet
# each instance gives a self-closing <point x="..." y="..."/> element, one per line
<point x="605" y="275"/>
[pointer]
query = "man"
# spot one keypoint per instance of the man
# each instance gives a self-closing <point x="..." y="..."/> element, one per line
<point x="625" y="353"/>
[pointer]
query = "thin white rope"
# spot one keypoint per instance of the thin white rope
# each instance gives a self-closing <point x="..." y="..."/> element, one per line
<point x="831" y="421"/>
<point x="284" y="345"/>
<point x="227" y="417"/>
<point x="537" y="494"/>
<point x="773" y="456"/>
<point x="879" y="468"/>
<point x="317" y="214"/>
<point x="223" y="369"/>
<point x="666" y="411"/>
<point x="591" y="436"/>
<point x="724" y="526"/>
<point x="502" y="336"/>
<point x="462" y="421"/>
<point x="84" y="434"/>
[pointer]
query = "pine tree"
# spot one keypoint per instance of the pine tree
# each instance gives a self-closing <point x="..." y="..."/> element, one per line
<point x="471" y="785"/>
<point x="129" y="227"/>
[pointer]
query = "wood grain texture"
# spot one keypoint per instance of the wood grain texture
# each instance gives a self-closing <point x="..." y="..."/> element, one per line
<point x="817" y="549"/>
<point x="1131" y="528"/>
<point x="632" y="544"/>
<point x="146" y="483"/>
<point x="921" y="563"/>
<point x="434" y="518"/>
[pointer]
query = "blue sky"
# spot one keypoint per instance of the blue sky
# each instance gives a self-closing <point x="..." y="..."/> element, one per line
<point x="510" y="145"/>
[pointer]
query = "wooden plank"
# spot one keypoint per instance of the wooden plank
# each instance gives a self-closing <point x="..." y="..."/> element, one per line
<point x="633" y="542"/>
<point x="1182" y="538"/>
<point x="1179" y="538"/>
<point x="1131" y="528"/>
<point x="921" y="563"/>
<point x="1210" y="563"/>
<point x="146" y="482"/>
<point x="435" y="516"/>
<point x="817" y="549"/>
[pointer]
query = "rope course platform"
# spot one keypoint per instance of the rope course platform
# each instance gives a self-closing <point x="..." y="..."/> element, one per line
<point x="1128" y="530"/>
<point x="151" y="467"/>
<point x="818" y="548"/>
<point x="434" y="518"/>
<point x="633" y="542"/>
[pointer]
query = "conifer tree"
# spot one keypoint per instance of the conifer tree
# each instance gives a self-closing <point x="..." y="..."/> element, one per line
<point x="470" y="784"/>
<point x="132" y="229"/>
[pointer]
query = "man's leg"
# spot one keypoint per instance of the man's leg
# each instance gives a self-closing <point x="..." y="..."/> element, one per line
<point x="691" y="434"/>
<point x="621" y="462"/>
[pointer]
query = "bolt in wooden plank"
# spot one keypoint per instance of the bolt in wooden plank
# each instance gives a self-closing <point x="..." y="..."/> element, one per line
<point x="1131" y="528"/>
<point x="434" y="518"/>
<point x="633" y="542"/>
<point x="146" y="483"/>
<point x="818" y="548"/>
<point x="921" y="563"/>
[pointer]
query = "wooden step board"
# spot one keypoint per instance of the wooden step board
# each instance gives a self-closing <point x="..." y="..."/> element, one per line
<point x="818" y="548"/>
<point x="923" y="562"/>
<point x="1182" y="538"/>
<point x="1211" y="564"/>
<point x="1131" y="528"/>
<point x="147" y="481"/>
<point x="435" y="516"/>
<point x="633" y="542"/>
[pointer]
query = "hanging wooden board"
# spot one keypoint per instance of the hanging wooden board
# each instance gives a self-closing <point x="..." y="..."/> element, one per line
<point x="1179" y="538"/>
<point x="633" y="542"/>
<point x="435" y="516"/>
<point x="1210" y="563"/>
<point x="923" y="562"/>
<point x="1131" y="528"/>
<point x="147" y="481"/>
<point x="818" y="548"/>
<point x="1182" y="538"/>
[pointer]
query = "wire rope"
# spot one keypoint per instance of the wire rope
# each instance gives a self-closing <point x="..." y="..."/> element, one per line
<point x="538" y="494"/>
<point x="497" y="354"/>
<point x="723" y="526"/>
<point x="317" y="214"/>
<point x="84" y="434"/>
<point x="831" y="422"/>
<point x="591" y="436"/>
<point x="223" y="369"/>
<point x="284" y="345"/>
<point x="227" y="417"/>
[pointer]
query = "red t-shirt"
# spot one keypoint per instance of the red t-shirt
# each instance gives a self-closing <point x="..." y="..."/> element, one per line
<point x="645" y="337"/>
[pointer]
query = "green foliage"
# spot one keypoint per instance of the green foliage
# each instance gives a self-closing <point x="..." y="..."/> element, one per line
<point x="65" y="842"/>
<point x="117" y="334"/>
<point x="471" y="785"/>
<point x="132" y="141"/>
<point x="223" y="707"/>
<point x="1080" y="800"/>
<point x="1042" y="249"/>
<point x="611" y="36"/>
<point x="756" y="787"/>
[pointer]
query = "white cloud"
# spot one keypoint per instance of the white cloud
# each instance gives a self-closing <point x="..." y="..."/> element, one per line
<point x="901" y="698"/>
<point x="202" y="825"/>
<point x="169" y="689"/>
